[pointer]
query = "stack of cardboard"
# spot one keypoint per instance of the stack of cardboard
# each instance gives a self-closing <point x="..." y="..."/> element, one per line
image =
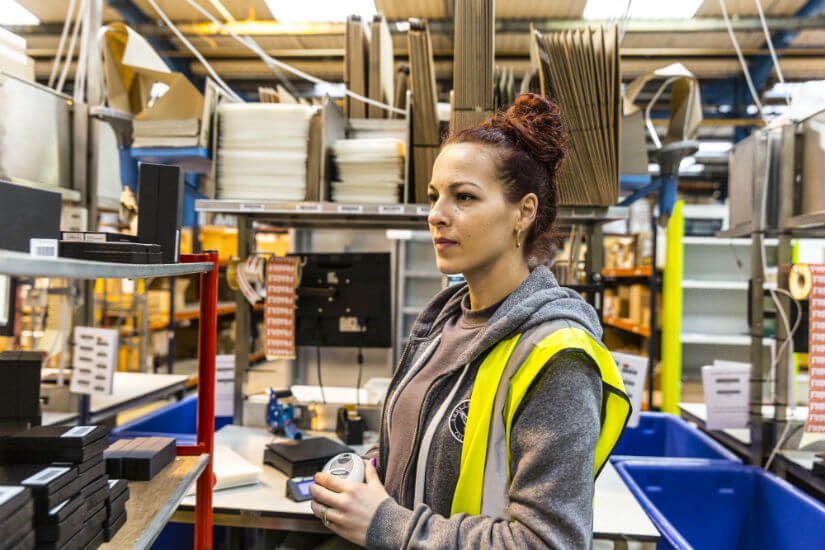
<point x="380" y="66"/>
<point x="584" y="79"/>
<point x="425" y="130"/>
<point x="473" y="65"/>
<point x="369" y="170"/>
<point x="355" y="66"/>
<point x="13" y="58"/>
<point x="402" y="85"/>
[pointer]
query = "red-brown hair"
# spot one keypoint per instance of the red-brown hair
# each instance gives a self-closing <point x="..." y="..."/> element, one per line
<point x="531" y="143"/>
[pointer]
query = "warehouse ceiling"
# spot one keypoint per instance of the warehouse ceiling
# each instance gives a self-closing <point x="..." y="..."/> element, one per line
<point x="318" y="49"/>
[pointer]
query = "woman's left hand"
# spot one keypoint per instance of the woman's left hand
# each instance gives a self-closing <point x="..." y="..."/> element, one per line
<point x="349" y="505"/>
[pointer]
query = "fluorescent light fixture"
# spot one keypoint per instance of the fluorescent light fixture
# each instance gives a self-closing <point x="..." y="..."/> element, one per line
<point x="292" y="11"/>
<point x="12" y="13"/>
<point x="641" y="9"/>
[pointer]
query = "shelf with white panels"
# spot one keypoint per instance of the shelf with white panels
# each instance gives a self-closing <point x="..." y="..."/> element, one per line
<point x="695" y="284"/>
<point x="727" y="241"/>
<point x="719" y="339"/>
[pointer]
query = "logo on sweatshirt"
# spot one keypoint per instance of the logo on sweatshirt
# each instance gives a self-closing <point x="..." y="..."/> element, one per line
<point x="458" y="420"/>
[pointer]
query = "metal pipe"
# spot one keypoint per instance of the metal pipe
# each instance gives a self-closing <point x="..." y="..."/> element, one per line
<point x="207" y="345"/>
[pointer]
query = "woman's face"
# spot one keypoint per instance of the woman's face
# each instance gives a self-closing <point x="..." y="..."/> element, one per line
<point x="472" y="224"/>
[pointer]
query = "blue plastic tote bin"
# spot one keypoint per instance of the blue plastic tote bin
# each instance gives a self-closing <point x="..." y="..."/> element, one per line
<point x="667" y="435"/>
<point x="716" y="505"/>
<point x="178" y="420"/>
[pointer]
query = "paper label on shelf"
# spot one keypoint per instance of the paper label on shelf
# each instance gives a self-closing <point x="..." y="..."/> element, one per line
<point x="250" y="207"/>
<point x="391" y="209"/>
<point x="816" y="352"/>
<point x="422" y="210"/>
<point x="726" y="385"/>
<point x="312" y="207"/>
<point x="279" y="308"/>
<point x="94" y="359"/>
<point x="224" y="385"/>
<point x="350" y="208"/>
<point x="633" y="369"/>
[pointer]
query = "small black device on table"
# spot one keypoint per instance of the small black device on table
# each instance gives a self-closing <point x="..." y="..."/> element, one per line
<point x="297" y="488"/>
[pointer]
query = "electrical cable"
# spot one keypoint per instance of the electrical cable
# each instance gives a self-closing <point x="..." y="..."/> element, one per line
<point x="66" y="24"/>
<point x="741" y="57"/>
<point x="787" y="345"/>
<point x="273" y="63"/>
<point x="360" y="359"/>
<point x="318" y="369"/>
<point x="195" y="52"/>
<point x="70" y="51"/>
<point x="770" y="47"/>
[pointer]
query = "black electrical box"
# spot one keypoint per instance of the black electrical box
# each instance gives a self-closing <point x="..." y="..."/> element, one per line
<point x="27" y="213"/>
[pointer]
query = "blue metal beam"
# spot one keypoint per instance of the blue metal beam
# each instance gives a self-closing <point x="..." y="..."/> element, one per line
<point x="133" y="15"/>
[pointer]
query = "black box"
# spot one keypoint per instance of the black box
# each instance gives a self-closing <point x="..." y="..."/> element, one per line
<point x="116" y="252"/>
<point x="151" y="455"/>
<point x="27" y="213"/>
<point x="50" y="485"/>
<point x="54" y="444"/>
<point x="99" y="539"/>
<point x="62" y="511"/>
<point x="113" y="456"/>
<point x="23" y="539"/>
<point x="20" y="385"/>
<point x="22" y="516"/>
<point x="160" y="202"/>
<point x="11" y="499"/>
<point x="302" y="457"/>
<point x="61" y="532"/>
<point x="110" y="529"/>
<point x="97" y="498"/>
<point x="98" y="237"/>
<point x="118" y="487"/>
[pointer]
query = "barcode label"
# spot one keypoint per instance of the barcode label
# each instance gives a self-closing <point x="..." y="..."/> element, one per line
<point x="350" y="208"/>
<point x="96" y="237"/>
<point x="391" y="209"/>
<point x="43" y="248"/>
<point x="244" y="206"/>
<point x="308" y="207"/>
<point x="78" y="431"/>
<point x="422" y="210"/>
<point x="43" y="477"/>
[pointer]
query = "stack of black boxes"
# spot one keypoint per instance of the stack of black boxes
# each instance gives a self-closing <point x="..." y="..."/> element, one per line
<point x="16" y="512"/>
<point x="115" y="507"/>
<point x="69" y="486"/>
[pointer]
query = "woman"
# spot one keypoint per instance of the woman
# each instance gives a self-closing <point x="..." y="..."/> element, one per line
<point x="504" y="405"/>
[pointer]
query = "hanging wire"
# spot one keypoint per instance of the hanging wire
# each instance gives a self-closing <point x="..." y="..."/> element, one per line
<point x="741" y="57"/>
<point x="66" y="24"/>
<point x="273" y="63"/>
<point x="195" y="52"/>
<point x="770" y="47"/>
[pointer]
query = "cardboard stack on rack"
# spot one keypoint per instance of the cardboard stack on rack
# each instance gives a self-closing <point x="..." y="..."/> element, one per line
<point x="63" y="469"/>
<point x="579" y="70"/>
<point x="472" y="100"/>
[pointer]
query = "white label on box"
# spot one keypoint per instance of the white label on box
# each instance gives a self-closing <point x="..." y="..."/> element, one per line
<point x="391" y="209"/>
<point x="43" y="248"/>
<point x="72" y="236"/>
<point x="79" y="431"/>
<point x="94" y="359"/>
<point x="350" y="208"/>
<point x="224" y="385"/>
<point x="633" y="369"/>
<point x="95" y="237"/>
<point x="44" y="476"/>
<point x="308" y="207"/>
<point x="727" y="391"/>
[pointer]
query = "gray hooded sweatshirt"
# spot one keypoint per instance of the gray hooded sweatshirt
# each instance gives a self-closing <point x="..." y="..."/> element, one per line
<point x="553" y="437"/>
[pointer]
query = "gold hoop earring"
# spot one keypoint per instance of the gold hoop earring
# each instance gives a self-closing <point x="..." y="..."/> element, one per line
<point x="518" y="238"/>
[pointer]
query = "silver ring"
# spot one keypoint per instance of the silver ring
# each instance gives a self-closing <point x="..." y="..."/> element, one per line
<point x="324" y="519"/>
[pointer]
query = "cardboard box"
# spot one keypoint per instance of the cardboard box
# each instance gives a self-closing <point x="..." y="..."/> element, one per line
<point x="619" y="251"/>
<point x="639" y="300"/>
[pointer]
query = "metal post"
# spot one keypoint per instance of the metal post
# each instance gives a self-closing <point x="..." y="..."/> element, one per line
<point x="783" y="373"/>
<point x="653" y="340"/>
<point x="757" y="334"/>
<point x="207" y="345"/>
<point x="243" y="322"/>
<point x="170" y="331"/>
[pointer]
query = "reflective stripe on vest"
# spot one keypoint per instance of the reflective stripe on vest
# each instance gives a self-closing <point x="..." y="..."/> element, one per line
<point x="481" y="489"/>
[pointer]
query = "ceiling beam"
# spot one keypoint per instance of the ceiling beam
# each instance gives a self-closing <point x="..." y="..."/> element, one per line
<point x="273" y="28"/>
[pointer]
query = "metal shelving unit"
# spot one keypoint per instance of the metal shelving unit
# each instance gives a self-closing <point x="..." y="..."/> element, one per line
<point x="19" y="264"/>
<point x="326" y="215"/>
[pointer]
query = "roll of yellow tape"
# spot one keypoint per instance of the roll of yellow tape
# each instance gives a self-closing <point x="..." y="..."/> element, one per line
<point x="799" y="282"/>
<point x="232" y="272"/>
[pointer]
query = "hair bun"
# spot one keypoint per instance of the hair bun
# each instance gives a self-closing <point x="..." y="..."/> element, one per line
<point x="537" y="125"/>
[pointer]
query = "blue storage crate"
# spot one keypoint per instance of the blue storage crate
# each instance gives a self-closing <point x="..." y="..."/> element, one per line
<point x="178" y="420"/>
<point x="667" y="435"/>
<point x="717" y="505"/>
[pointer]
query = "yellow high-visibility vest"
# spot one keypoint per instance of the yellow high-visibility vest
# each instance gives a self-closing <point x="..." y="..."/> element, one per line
<point x="482" y="484"/>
